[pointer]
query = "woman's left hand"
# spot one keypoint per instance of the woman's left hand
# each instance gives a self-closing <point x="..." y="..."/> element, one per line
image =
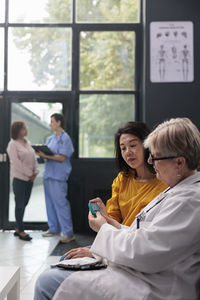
<point x="77" y="253"/>
<point x="96" y="222"/>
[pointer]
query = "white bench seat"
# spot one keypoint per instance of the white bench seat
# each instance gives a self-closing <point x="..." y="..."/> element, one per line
<point x="9" y="283"/>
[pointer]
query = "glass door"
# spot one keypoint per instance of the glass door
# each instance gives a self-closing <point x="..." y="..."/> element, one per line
<point x="36" y="116"/>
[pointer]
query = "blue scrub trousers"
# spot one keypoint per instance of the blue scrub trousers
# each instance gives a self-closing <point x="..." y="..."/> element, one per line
<point x="48" y="282"/>
<point x="58" y="207"/>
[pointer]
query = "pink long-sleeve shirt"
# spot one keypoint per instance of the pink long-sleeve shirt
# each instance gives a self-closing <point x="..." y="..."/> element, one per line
<point x="22" y="160"/>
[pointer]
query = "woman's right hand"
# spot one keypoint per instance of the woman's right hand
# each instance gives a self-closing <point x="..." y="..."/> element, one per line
<point x="112" y="222"/>
<point x="32" y="178"/>
<point x="101" y="205"/>
<point x="78" y="252"/>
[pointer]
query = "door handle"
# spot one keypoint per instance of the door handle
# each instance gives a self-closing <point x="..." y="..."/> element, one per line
<point x="3" y="157"/>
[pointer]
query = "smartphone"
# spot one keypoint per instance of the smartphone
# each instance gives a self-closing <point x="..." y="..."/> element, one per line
<point x="94" y="207"/>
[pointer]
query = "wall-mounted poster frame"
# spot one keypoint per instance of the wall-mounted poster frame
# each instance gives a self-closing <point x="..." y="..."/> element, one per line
<point x="171" y="51"/>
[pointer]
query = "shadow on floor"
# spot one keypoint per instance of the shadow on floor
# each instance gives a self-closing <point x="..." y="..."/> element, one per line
<point x="81" y="240"/>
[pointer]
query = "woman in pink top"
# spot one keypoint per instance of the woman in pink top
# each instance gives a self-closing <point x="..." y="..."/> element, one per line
<point x="23" y="171"/>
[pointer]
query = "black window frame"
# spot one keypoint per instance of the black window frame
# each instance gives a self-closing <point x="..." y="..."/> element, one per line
<point x="7" y="96"/>
<point x="75" y="92"/>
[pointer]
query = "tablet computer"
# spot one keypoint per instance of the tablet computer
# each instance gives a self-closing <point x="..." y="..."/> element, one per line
<point x="43" y="148"/>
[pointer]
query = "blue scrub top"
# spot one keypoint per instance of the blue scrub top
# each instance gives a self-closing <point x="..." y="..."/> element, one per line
<point x="59" y="145"/>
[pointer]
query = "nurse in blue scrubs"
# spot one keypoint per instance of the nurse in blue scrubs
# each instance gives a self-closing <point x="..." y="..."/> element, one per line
<point x="56" y="173"/>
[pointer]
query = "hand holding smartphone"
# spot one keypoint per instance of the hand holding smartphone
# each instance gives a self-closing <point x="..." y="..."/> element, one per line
<point x="94" y="207"/>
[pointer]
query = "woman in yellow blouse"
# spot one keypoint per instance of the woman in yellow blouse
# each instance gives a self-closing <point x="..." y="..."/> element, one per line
<point x="136" y="184"/>
<point x="130" y="196"/>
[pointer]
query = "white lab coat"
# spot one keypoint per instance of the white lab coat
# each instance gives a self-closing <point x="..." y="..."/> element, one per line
<point x="158" y="261"/>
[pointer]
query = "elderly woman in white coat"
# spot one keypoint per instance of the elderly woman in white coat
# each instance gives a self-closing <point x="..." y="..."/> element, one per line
<point x="157" y="257"/>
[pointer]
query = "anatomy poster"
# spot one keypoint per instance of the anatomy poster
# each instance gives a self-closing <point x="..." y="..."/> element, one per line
<point x="171" y="52"/>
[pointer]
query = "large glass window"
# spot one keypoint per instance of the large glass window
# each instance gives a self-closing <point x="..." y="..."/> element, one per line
<point x="38" y="11"/>
<point x="100" y="117"/>
<point x="2" y="11"/>
<point x="1" y="59"/>
<point x="36" y="117"/>
<point x="107" y="11"/>
<point x="78" y="52"/>
<point x="39" y="58"/>
<point x="107" y="60"/>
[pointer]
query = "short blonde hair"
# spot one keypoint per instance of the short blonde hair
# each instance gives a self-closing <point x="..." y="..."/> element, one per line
<point x="176" y="137"/>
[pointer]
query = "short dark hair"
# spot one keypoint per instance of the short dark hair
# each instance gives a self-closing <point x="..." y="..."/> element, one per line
<point x="59" y="117"/>
<point x="15" y="129"/>
<point x="141" y="131"/>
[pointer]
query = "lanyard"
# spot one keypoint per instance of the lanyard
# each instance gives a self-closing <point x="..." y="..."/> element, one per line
<point x="59" y="142"/>
<point x="143" y="213"/>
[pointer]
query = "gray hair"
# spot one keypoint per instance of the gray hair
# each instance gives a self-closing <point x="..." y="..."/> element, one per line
<point x="176" y="137"/>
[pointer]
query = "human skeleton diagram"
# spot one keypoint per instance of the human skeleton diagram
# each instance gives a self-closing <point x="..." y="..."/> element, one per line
<point x="185" y="62"/>
<point x="162" y="62"/>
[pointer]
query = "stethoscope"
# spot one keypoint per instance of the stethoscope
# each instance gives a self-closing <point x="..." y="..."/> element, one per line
<point x="142" y="215"/>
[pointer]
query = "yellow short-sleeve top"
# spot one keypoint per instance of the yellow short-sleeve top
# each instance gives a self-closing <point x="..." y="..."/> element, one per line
<point x="130" y="196"/>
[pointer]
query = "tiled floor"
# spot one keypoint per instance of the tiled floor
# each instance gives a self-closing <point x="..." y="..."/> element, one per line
<point x="32" y="258"/>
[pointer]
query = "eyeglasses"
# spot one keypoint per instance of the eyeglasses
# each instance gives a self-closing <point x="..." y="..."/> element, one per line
<point x="153" y="159"/>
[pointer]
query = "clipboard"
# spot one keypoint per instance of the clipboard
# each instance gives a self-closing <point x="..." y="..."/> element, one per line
<point x="86" y="267"/>
<point x="43" y="148"/>
<point x="81" y="264"/>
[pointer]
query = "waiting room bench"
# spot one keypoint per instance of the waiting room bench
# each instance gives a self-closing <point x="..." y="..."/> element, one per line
<point x="9" y="283"/>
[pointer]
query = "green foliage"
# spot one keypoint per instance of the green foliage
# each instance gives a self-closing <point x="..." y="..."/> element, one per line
<point x="107" y="60"/>
<point x="105" y="11"/>
<point x="59" y="11"/>
<point x="100" y="117"/>
<point x="50" y="53"/>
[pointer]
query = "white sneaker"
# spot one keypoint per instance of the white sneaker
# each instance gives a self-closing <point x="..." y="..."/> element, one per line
<point x="48" y="234"/>
<point x="67" y="238"/>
